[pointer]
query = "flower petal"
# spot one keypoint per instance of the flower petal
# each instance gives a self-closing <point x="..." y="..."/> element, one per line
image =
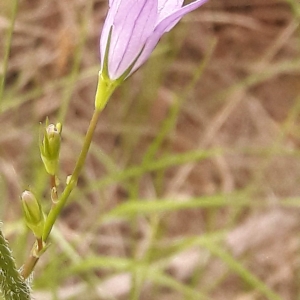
<point x="132" y="21"/>
<point x="177" y="15"/>
<point x="164" y="26"/>
<point x="166" y="7"/>
<point x="114" y="6"/>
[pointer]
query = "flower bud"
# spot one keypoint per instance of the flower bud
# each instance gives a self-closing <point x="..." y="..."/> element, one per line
<point x="33" y="214"/>
<point x="50" y="147"/>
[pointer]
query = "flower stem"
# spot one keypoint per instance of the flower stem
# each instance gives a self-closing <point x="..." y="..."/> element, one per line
<point x="38" y="248"/>
<point x="55" y="211"/>
<point x="30" y="262"/>
<point x="103" y="93"/>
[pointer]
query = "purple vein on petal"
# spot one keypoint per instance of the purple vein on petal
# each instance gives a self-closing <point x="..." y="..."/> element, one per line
<point x="138" y="24"/>
<point x="166" y="7"/>
<point x="165" y="25"/>
<point x="122" y="60"/>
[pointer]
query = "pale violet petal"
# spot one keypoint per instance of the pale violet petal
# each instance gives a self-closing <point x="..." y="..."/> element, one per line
<point x="110" y="3"/>
<point x="134" y="21"/>
<point x="179" y="13"/>
<point x="114" y="6"/>
<point x="135" y="26"/>
<point x="164" y="26"/>
<point x="166" y="7"/>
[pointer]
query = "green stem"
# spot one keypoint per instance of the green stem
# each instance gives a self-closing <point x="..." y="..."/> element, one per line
<point x="55" y="211"/>
<point x="59" y="205"/>
<point x="12" y="284"/>
<point x="30" y="263"/>
<point x="105" y="89"/>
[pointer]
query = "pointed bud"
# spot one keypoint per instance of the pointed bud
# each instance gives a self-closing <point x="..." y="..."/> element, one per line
<point x="33" y="214"/>
<point x="50" y="147"/>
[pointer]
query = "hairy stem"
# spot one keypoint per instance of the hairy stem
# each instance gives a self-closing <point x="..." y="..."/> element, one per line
<point x="12" y="284"/>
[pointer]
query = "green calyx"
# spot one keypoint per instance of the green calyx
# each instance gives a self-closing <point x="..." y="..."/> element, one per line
<point x="105" y="88"/>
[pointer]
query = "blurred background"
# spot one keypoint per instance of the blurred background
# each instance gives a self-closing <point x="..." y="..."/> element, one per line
<point x="191" y="188"/>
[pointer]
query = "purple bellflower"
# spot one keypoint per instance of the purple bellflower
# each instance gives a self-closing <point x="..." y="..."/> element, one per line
<point x="130" y="33"/>
<point x="133" y="28"/>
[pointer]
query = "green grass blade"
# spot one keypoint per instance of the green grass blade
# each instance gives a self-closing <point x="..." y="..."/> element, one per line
<point x="239" y="269"/>
<point x="15" y="5"/>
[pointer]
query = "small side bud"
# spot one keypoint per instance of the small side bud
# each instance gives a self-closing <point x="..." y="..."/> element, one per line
<point x="54" y="196"/>
<point x="50" y="147"/>
<point x="68" y="180"/>
<point x="33" y="214"/>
